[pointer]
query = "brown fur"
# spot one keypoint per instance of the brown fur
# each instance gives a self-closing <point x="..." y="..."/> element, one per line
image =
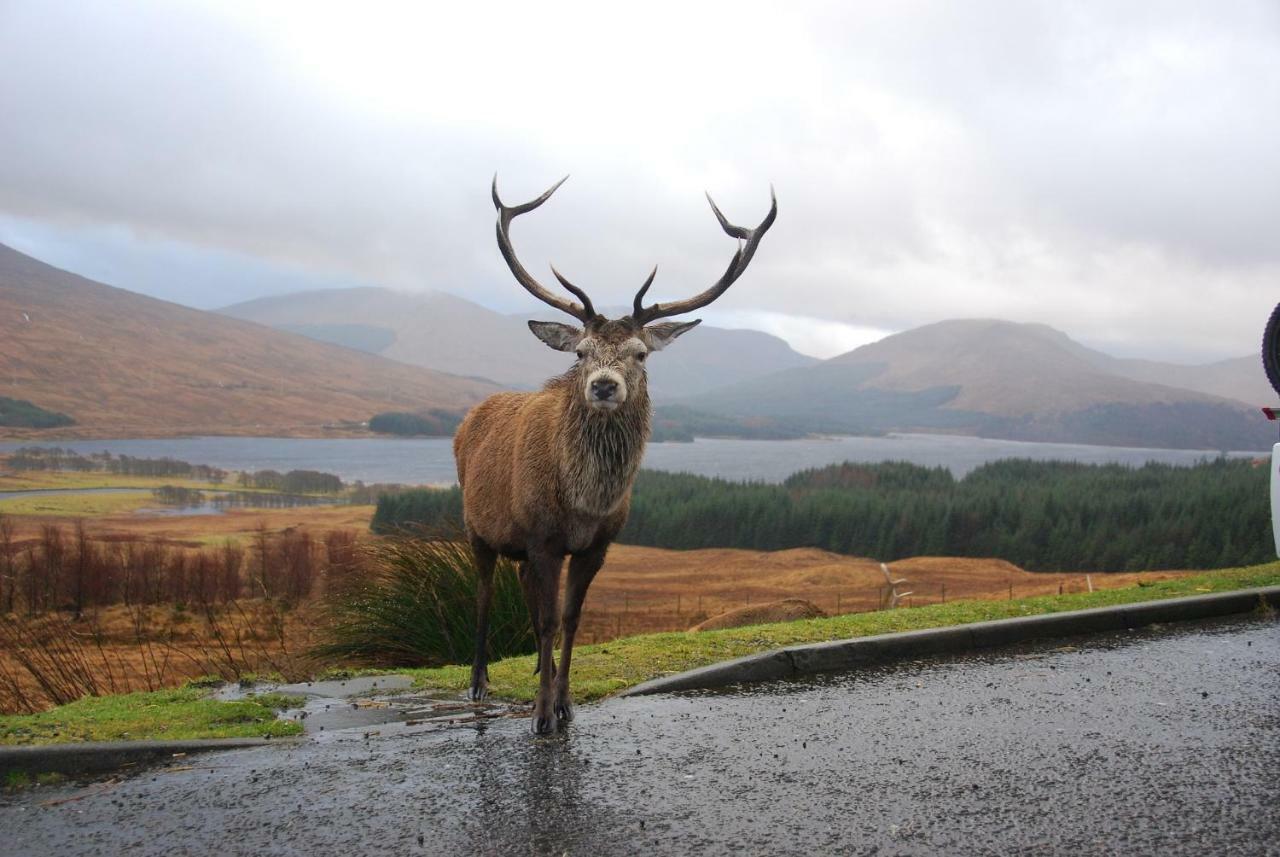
<point x="543" y="476"/>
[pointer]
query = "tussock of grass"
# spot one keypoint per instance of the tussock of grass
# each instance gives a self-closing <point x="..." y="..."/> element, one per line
<point x="167" y="714"/>
<point x="606" y="668"/>
<point x="416" y="604"/>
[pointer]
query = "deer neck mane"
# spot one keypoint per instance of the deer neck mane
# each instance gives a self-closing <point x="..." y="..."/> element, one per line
<point x="599" y="453"/>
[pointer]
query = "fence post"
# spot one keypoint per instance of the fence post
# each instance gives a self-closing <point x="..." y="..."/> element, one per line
<point x="944" y="593"/>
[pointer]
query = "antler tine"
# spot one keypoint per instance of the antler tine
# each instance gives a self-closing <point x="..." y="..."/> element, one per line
<point x="736" y="231"/>
<point x="576" y="292"/>
<point x="584" y="312"/>
<point x="637" y="307"/>
<point x="737" y="265"/>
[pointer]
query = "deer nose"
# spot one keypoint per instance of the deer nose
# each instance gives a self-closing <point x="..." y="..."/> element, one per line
<point x="603" y="389"/>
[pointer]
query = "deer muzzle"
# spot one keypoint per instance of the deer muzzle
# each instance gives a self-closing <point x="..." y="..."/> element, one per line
<point x="605" y="390"/>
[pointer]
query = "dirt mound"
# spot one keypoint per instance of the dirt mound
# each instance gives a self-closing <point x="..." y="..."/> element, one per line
<point x="801" y="556"/>
<point x="973" y="566"/>
<point x="786" y="610"/>
<point x="832" y="575"/>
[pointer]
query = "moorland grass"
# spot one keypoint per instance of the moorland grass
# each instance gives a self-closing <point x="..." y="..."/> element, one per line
<point x="598" y="670"/>
<point x="78" y="505"/>
<point x="35" y="480"/>
<point x="178" y="714"/>
<point x="605" y="668"/>
<point x="73" y="504"/>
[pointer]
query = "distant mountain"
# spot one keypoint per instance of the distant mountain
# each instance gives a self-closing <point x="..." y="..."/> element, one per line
<point x="120" y="363"/>
<point x="995" y="379"/>
<point x="1240" y="378"/>
<point x="450" y="334"/>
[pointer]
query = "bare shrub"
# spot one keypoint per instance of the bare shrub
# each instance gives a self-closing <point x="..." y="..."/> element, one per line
<point x="297" y="564"/>
<point x="342" y="560"/>
<point x="230" y="561"/>
<point x="8" y="565"/>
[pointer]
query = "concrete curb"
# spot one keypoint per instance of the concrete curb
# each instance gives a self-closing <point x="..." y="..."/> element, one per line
<point x="100" y="757"/>
<point x="865" y="651"/>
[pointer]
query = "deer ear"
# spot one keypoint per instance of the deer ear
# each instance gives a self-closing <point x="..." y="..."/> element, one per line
<point x="561" y="337"/>
<point x="661" y="334"/>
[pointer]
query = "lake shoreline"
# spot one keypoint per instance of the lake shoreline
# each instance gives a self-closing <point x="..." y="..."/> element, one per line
<point x="420" y="461"/>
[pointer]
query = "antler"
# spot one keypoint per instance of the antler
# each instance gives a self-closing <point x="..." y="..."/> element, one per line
<point x="583" y="313"/>
<point x="737" y="265"/>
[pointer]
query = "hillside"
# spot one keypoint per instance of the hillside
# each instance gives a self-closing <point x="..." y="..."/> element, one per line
<point x="450" y="334"/>
<point x="995" y="379"/>
<point x="1239" y="378"/>
<point x="120" y="363"/>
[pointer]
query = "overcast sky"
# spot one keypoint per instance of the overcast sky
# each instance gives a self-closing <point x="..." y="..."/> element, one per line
<point x="1109" y="168"/>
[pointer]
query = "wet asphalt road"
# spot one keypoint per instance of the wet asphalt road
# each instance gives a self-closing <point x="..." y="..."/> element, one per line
<point x="1162" y="741"/>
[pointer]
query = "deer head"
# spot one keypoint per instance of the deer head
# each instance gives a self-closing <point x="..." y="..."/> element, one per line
<point x="612" y="352"/>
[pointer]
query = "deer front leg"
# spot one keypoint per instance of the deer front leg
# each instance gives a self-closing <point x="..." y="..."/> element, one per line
<point x="582" y="570"/>
<point x="540" y="578"/>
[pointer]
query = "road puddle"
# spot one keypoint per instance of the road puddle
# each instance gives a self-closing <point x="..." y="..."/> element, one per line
<point x="374" y="706"/>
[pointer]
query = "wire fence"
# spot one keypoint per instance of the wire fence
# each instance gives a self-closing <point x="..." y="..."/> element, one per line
<point x="611" y="616"/>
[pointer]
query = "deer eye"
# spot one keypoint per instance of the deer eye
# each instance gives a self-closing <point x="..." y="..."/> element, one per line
<point x="581" y="353"/>
<point x="640" y="357"/>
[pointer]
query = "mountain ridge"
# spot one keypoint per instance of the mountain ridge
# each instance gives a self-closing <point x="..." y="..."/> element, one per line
<point x="443" y="331"/>
<point x="993" y="378"/>
<point x="124" y="363"/>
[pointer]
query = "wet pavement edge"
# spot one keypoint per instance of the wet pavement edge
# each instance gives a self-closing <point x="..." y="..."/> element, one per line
<point x="838" y="655"/>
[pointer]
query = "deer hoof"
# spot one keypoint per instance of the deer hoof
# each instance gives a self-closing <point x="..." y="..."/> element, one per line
<point x="543" y="724"/>
<point x="564" y="709"/>
<point x="479" y="685"/>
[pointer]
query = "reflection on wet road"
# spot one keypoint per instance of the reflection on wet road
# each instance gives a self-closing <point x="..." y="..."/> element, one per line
<point x="1161" y="741"/>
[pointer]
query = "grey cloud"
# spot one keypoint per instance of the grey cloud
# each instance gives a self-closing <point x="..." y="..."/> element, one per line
<point x="1108" y="168"/>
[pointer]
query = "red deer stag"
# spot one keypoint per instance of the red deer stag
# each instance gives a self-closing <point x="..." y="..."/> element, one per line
<point x="549" y="473"/>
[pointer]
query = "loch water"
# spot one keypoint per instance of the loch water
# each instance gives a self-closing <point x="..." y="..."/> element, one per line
<point x="429" y="461"/>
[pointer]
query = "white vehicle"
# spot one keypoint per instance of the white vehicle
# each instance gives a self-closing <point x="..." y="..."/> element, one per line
<point x="1271" y="363"/>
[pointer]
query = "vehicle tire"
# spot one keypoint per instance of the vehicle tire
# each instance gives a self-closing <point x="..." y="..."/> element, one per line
<point x="1271" y="349"/>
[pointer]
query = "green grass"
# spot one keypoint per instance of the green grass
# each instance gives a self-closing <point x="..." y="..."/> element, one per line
<point x="32" y="480"/>
<point x="606" y="668"/>
<point x="166" y="714"/>
<point x="14" y="780"/>
<point x="78" y="505"/>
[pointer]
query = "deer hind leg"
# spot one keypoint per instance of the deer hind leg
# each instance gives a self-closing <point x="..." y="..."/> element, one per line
<point x="540" y="578"/>
<point x="485" y="559"/>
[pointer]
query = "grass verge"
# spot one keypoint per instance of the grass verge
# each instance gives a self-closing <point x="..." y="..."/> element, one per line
<point x="173" y="715"/>
<point x="606" y="668"/>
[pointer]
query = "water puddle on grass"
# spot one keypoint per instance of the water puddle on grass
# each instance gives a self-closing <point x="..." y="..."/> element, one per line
<point x="210" y="503"/>
<point x="369" y="706"/>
